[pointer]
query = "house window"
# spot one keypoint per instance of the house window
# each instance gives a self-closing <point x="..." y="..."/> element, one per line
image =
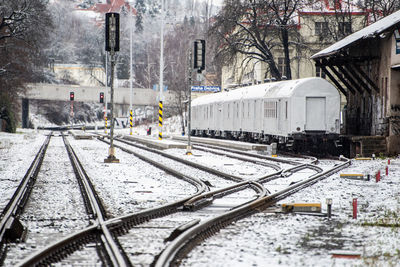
<point x="319" y="72"/>
<point x="282" y="66"/>
<point x="345" y="28"/>
<point x="321" y="28"/>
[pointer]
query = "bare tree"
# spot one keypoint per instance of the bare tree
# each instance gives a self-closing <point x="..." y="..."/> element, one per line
<point x="379" y="8"/>
<point x="254" y="29"/>
<point x="24" y="26"/>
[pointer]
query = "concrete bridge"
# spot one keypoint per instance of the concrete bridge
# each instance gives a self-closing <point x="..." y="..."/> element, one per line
<point x="143" y="97"/>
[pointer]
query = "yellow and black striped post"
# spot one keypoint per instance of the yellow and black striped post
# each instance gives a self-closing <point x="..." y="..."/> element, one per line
<point x="105" y="123"/>
<point x="160" y="113"/>
<point x="131" y="121"/>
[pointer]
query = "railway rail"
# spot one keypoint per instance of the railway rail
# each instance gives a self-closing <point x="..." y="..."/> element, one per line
<point x="177" y="249"/>
<point x="10" y="227"/>
<point x="195" y="208"/>
<point x="119" y="225"/>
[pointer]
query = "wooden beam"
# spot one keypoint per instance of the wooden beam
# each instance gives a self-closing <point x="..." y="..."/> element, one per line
<point x="350" y="79"/>
<point x="338" y="85"/>
<point x="366" y="77"/>
<point x="349" y="68"/>
<point x="343" y="80"/>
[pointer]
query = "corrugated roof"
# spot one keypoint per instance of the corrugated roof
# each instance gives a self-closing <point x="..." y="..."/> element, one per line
<point x="370" y="31"/>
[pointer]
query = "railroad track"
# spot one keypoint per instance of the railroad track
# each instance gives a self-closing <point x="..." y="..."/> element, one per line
<point x="182" y="245"/>
<point x="198" y="212"/>
<point x="10" y="226"/>
<point x="251" y="158"/>
<point x="119" y="226"/>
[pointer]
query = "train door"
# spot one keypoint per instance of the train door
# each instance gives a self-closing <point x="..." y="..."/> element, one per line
<point x="278" y="115"/>
<point x="315" y="114"/>
<point x="219" y="118"/>
<point x="254" y="116"/>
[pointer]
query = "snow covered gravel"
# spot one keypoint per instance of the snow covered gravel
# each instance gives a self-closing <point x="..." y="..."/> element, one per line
<point x="268" y="239"/>
<point x="264" y="239"/>
<point x="145" y="241"/>
<point x="55" y="208"/>
<point x="131" y="185"/>
<point x="244" y="169"/>
<point x="17" y="152"/>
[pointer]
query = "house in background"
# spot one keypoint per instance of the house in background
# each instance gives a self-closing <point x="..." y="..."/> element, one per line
<point x="97" y="11"/>
<point x="365" y="67"/>
<point x="317" y="27"/>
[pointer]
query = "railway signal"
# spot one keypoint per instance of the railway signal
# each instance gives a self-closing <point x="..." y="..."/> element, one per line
<point x="71" y="96"/>
<point x="112" y="32"/>
<point x="199" y="55"/>
<point x="101" y="97"/>
<point x="112" y="46"/>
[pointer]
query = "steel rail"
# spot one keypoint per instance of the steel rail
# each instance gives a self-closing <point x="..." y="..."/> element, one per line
<point x="265" y="157"/>
<point x="21" y="195"/>
<point x="115" y="225"/>
<point x="167" y="169"/>
<point x="227" y="152"/>
<point x="115" y="255"/>
<point x="180" y="246"/>
<point x="186" y="162"/>
<point x="64" y="246"/>
<point x="261" y="191"/>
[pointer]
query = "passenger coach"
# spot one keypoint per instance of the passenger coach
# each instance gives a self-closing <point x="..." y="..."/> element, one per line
<point x="299" y="114"/>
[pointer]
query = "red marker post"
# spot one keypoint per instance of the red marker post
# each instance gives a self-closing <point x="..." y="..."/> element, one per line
<point x="354" y="208"/>
<point x="387" y="170"/>
<point x="378" y="176"/>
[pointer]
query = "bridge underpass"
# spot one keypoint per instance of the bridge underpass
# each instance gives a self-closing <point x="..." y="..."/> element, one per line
<point x="60" y="94"/>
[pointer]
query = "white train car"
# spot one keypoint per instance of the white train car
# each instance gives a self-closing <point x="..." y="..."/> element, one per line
<point x="296" y="113"/>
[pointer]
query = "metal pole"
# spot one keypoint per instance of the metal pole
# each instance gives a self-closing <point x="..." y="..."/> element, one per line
<point x="106" y="97"/>
<point x="131" y="81"/>
<point x="189" y="146"/>
<point x="112" y="106"/>
<point x="160" y="105"/>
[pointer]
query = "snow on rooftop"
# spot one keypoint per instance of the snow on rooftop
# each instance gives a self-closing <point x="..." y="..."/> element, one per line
<point x="367" y="32"/>
<point x="259" y="91"/>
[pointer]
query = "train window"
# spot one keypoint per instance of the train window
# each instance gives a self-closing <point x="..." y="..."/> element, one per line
<point x="286" y="109"/>
<point x="237" y="110"/>
<point x="248" y="109"/>
<point x="229" y="108"/>
<point x="270" y="109"/>
<point x="242" y="109"/>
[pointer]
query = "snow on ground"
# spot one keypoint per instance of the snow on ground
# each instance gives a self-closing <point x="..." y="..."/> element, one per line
<point x="267" y="239"/>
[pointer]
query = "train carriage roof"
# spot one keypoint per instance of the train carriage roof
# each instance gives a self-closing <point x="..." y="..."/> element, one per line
<point x="281" y="89"/>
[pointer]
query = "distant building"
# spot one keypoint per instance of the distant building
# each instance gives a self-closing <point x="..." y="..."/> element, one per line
<point x="97" y="11"/>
